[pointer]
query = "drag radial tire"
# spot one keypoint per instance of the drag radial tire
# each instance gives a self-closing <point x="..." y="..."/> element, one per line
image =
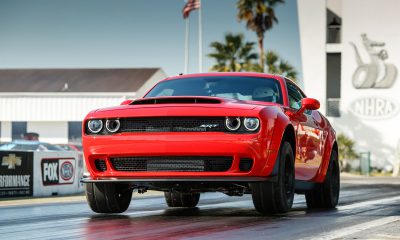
<point x="177" y="199"/>
<point x="277" y="197"/>
<point x="326" y="195"/>
<point x="108" y="197"/>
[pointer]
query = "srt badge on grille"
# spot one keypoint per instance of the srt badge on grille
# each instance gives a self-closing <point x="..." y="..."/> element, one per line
<point x="209" y="125"/>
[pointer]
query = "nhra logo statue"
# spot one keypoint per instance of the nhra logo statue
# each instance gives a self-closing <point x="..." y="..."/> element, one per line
<point x="376" y="74"/>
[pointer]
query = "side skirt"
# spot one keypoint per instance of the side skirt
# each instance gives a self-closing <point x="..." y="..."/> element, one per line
<point x="301" y="186"/>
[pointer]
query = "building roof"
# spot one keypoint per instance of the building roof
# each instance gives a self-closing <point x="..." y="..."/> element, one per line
<point x="74" y="80"/>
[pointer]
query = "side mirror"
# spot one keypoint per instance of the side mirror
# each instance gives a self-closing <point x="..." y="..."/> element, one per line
<point x="306" y="104"/>
<point x="126" y="102"/>
<point x="309" y="104"/>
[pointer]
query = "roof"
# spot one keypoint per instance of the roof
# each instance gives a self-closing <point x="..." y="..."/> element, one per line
<point x="74" y="80"/>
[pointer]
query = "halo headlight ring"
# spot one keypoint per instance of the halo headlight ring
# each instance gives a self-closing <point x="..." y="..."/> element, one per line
<point x="251" y="123"/>
<point x="232" y="123"/>
<point x="95" y="125"/>
<point x="113" y="125"/>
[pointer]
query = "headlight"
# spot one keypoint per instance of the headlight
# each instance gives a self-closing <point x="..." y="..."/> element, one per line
<point x="232" y="123"/>
<point x="113" y="125"/>
<point x="95" y="126"/>
<point x="251" y="124"/>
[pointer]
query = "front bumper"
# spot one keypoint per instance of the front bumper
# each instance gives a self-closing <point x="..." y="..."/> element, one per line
<point x="237" y="146"/>
<point x="177" y="180"/>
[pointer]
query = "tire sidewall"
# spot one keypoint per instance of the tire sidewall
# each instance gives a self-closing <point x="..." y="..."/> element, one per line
<point x="332" y="183"/>
<point x="286" y="159"/>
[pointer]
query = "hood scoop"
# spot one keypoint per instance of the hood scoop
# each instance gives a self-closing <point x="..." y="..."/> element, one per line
<point x="176" y="100"/>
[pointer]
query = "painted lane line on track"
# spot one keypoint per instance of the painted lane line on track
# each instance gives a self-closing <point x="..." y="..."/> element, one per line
<point x="345" y="232"/>
<point x="368" y="203"/>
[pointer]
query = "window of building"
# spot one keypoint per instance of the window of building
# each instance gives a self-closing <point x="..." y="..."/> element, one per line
<point x="18" y="130"/>
<point x="333" y="63"/>
<point x="334" y="27"/>
<point x="74" y="131"/>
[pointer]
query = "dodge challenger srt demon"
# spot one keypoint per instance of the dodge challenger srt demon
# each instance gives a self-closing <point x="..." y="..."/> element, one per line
<point x="235" y="133"/>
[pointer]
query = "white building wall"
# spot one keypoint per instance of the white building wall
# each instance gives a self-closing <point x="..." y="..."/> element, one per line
<point x="55" y="106"/>
<point x="379" y="133"/>
<point x="312" y="24"/>
<point x="370" y="116"/>
<point x="51" y="132"/>
<point x="6" y="134"/>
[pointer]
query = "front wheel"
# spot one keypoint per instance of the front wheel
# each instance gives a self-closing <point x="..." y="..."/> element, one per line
<point x="326" y="195"/>
<point x="108" y="197"/>
<point x="277" y="197"/>
<point x="177" y="199"/>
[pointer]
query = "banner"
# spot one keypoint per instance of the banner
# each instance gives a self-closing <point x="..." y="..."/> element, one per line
<point x="16" y="174"/>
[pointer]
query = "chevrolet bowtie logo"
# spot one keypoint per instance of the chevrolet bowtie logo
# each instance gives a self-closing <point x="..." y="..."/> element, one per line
<point x="11" y="161"/>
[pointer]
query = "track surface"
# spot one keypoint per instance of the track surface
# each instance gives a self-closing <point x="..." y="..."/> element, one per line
<point x="369" y="209"/>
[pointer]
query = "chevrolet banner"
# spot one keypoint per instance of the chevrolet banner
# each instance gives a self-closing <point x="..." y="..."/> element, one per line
<point x="16" y="173"/>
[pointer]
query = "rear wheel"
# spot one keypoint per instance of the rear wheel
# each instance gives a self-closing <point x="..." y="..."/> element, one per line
<point x="277" y="197"/>
<point x="326" y="195"/>
<point x="177" y="199"/>
<point x="108" y="197"/>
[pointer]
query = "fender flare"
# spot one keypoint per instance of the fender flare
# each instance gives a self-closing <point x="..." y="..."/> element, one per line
<point x="330" y="145"/>
<point x="282" y="126"/>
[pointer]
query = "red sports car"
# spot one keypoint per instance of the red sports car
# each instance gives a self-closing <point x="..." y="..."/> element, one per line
<point x="235" y="133"/>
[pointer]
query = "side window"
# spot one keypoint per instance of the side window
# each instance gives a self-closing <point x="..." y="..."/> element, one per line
<point x="295" y="96"/>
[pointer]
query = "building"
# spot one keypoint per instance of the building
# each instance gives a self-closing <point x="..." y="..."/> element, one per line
<point x="53" y="102"/>
<point x="351" y="58"/>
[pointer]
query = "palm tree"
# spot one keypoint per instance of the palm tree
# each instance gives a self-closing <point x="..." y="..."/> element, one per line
<point x="279" y="66"/>
<point x="260" y="17"/>
<point x="233" y="55"/>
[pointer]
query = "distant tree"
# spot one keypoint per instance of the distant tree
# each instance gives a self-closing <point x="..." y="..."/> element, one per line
<point x="260" y="17"/>
<point x="276" y="65"/>
<point x="346" y="149"/>
<point x="233" y="55"/>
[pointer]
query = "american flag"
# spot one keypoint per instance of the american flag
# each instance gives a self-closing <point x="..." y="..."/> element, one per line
<point x="190" y="6"/>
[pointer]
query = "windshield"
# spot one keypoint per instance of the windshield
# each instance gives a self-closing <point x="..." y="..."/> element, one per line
<point x="240" y="88"/>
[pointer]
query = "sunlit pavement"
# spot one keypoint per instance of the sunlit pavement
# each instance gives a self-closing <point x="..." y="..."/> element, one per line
<point x="369" y="209"/>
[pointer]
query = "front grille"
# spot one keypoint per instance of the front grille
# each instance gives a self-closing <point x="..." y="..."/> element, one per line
<point x="100" y="165"/>
<point x="173" y="124"/>
<point x="172" y="164"/>
<point x="245" y="164"/>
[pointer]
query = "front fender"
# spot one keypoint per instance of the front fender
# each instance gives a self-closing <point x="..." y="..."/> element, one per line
<point x="278" y="122"/>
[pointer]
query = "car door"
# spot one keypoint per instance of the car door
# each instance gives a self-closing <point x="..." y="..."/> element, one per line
<point x="309" y="136"/>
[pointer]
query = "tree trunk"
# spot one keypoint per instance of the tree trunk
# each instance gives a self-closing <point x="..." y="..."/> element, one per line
<point x="261" y="48"/>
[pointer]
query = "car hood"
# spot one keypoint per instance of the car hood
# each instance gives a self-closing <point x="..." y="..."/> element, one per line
<point x="181" y="106"/>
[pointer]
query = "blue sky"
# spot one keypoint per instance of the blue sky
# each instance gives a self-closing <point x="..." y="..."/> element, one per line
<point x="126" y="33"/>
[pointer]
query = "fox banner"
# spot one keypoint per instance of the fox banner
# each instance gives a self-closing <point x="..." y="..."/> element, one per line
<point x="16" y="174"/>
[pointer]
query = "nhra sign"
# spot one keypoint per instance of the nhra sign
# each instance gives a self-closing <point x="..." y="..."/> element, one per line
<point x="375" y="108"/>
<point x="16" y="173"/>
<point x="58" y="171"/>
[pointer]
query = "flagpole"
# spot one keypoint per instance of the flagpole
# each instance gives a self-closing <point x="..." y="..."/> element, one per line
<point x="200" y="39"/>
<point x="187" y="46"/>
